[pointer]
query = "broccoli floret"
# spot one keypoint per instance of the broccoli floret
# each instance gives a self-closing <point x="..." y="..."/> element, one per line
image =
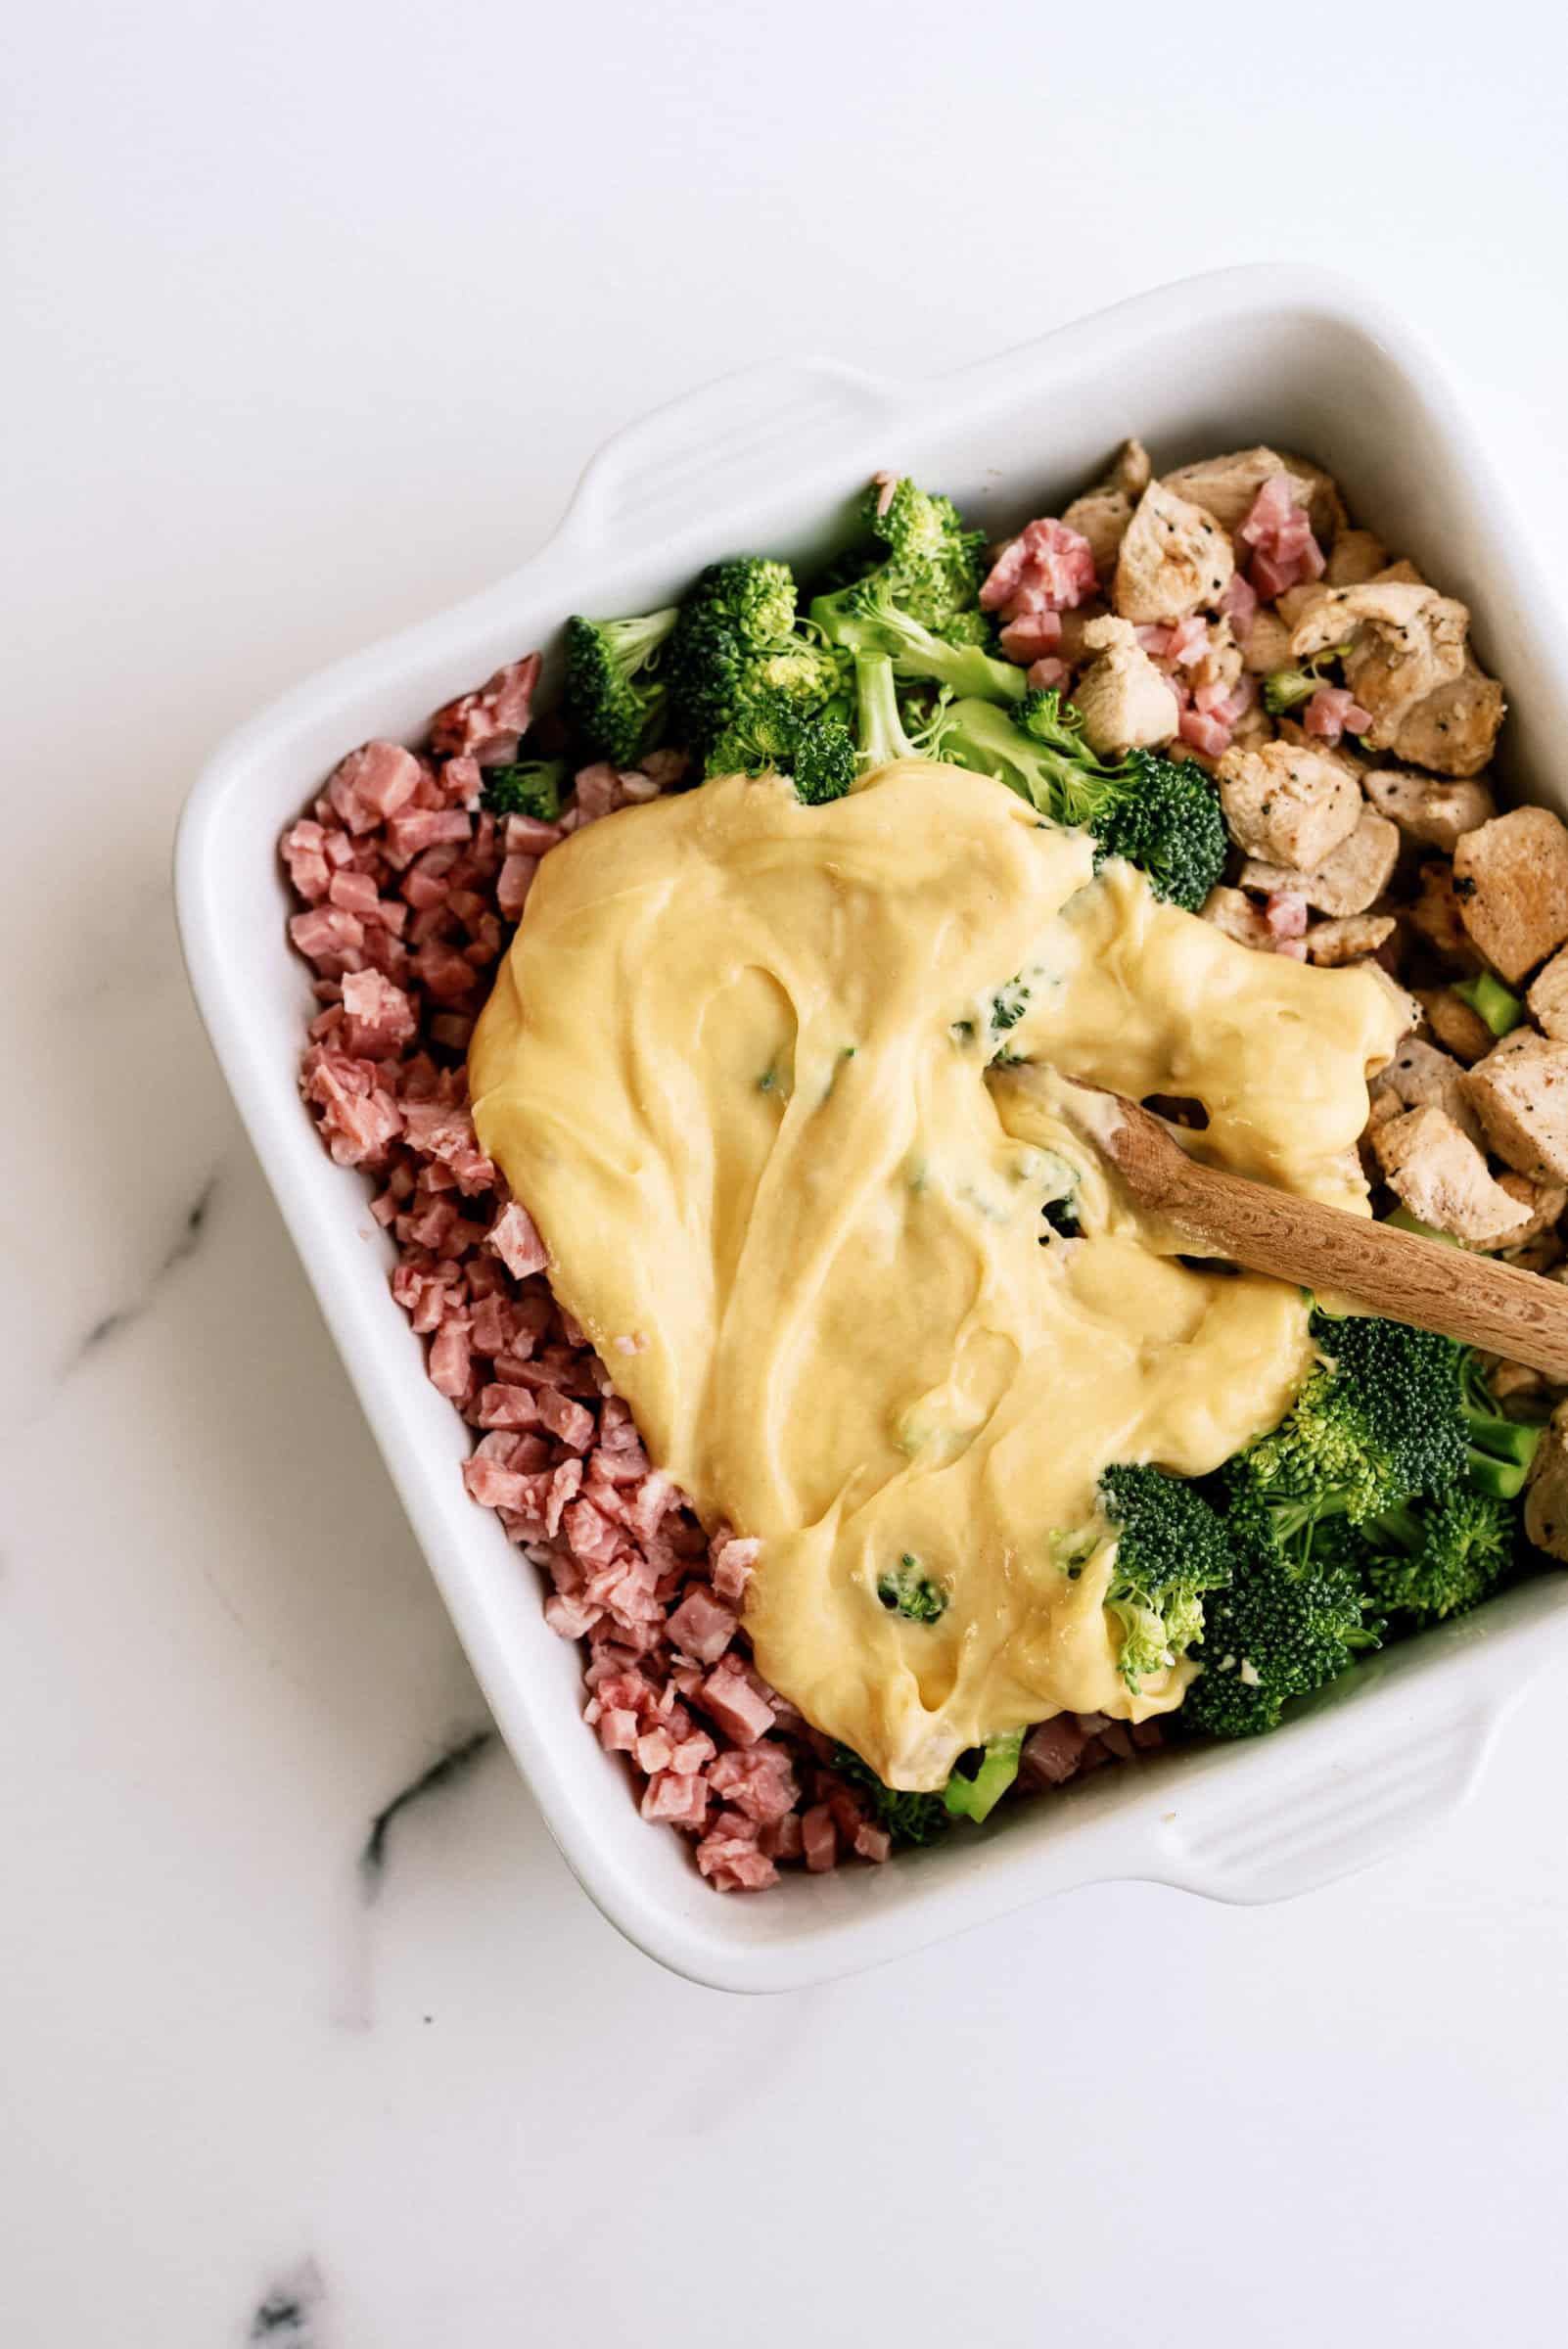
<point x="973" y="1792"/>
<point x="529" y="787"/>
<point x="1436" y="1557"/>
<point x="1170" y="1548"/>
<point x="932" y="568"/>
<point x="1062" y="1217"/>
<point x="1377" y="1420"/>
<point x="749" y="691"/>
<point x="905" y="1591"/>
<point x="614" y="694"/>
<point x="867" y="618"/>
<point x="1496" y="1004"/>
<point x="1162" y="814"/>
<point x="907" y="1817"/>
<point x="1497" y="1450"/>
<point x="1383" y="1491"/>
<point x="738" y="614"/>
<point x="823" y="762"/>
<point x="1285" y="689"/>
<point x="1278" y="1630"/>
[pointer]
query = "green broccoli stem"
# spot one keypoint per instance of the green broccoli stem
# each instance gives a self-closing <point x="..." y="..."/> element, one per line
<point x="881" y="737"/>
<point x="1499" y="1451"/>
<point x="977" y="1798"/>
<point x="1496" y="1004"/>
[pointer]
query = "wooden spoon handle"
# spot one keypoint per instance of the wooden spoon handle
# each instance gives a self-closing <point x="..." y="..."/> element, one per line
<point x="1395" y="1273"/>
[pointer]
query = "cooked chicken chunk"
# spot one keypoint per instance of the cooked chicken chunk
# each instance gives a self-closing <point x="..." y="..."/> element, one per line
<point x="1405" y="642"/>
<point x="1545" y="1509"/>
<point x="1460" y="1030"/>
<point x="1122" y="700"/>
<point x="1520" y="1094"/>
<point x="1289" y="807"/>
<point x="1443" y="1177"/>
<point x="1351" y="940"/>
<point x="1227" y="486"/>
<point x="1357" y="556"/>
<point x="1101" y="516"/>
<point x="1544" y="1202"/>
<point x="1402" y="574"/>
<point x="1103" y="513"/>
<point x="1072" y="648"/>
<point x="1234" y="912"/>
<point x="1428" y="807"/>
<point x="1268" y="645"/>
<point x="1547" y="998"/>
<point x="1349" y="879"/>
<point x="1455" y="729"/>
<point x="1418" y="1074"/>
<point x="1511" y="879"/>
<point x="1173" y="558"/>
<point x="1436" y="915"/>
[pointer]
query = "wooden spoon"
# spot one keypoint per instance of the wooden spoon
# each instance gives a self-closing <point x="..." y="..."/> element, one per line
<point x="1395" y="1273"/>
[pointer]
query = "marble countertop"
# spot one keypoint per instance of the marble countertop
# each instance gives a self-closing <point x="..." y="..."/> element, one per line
<point x="308" y="2035"/>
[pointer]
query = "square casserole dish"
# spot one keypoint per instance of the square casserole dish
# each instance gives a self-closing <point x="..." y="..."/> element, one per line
<point x="770" y="460"/>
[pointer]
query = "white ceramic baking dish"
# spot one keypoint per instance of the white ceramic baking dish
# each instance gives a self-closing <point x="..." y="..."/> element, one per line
<point x="769" y="460"/>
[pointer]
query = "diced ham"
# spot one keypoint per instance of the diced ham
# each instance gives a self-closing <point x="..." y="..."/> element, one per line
<point x="730" y="1699"/>
<point x="1239" y="604"/>
<point x="372" y="784"/>
<point x="734" y="1865"/>
<point x="819" y="1839"/>
<point x="732" y="1561"/>
<point x="1334" y="711"/>
<point x="1052" y="1752"/>
<point x="700" y="1627"/>
<point x="488" y="726"/>
<point x="1050" y="671"/>
<point x="1046" y="567"/>
<point x="1210" y="735"/>
<point x="515" y="1238"/>
<point x="1285" y="912"/>
<point x="1278" y="531"/>
<point x="1030" y="635"/>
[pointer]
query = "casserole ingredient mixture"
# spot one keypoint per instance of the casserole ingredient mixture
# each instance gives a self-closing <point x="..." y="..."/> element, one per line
<point x="768" y="1167"/>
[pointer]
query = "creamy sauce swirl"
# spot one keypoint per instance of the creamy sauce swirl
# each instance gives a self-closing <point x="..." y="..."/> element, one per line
<point x="737" y="1064"/>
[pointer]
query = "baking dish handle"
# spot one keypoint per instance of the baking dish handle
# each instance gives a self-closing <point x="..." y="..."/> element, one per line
<point x="1324" y="1810"/>
<point x="725" y="438"/>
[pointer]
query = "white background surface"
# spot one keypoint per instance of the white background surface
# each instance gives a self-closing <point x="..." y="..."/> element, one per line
<point x="314" y="315"/>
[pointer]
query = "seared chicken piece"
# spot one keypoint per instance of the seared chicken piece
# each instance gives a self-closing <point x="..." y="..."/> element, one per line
<point x="1545" y="1202"/>
<point x="1234" y="912"/>
<point x="1289" y="807"/>
<point x="1520" y="1094"/>
<point x="1122" y="700"/>
<point x="1443" y="1177"/>
<point x="1350" y="941"/>
<point x="1429" y="808"/>
<point x="1227" y="486"/>
<point x="1357" y="556"/>
<point x="1418" y="1074"/>
<point x="1545" y="1509"/>
<point x="1268" y="645"/>
<point x="1405" y="642"/>
<point x="1436" y="915"/>
<point x="1511" y="879"/>
<point x="1173" y="558"/>
<point x="1350" y="879"/>
<point x="1455" y="729"/>
<point x="1460" y="1030"/>
<point x="1547" y="998"/>
<point x="1102" y="514"/>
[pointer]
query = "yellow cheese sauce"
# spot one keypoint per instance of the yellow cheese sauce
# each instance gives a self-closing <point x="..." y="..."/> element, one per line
<point x="736" y="1065"/>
